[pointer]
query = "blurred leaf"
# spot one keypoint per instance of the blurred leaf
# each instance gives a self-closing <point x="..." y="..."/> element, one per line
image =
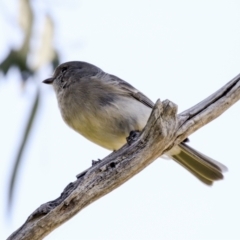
<point x="32" y="116"/>
<point x="18" y="57"/>
<point x="46" y="53"/>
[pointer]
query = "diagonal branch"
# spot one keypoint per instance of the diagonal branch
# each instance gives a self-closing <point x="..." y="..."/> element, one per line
<point x="164" y="130"/>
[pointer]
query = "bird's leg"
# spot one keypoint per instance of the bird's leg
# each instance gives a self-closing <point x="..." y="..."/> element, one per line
<point x="95" y="162"/>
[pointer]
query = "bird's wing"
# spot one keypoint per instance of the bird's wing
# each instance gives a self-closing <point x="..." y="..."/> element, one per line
<point x="129" y="89"/>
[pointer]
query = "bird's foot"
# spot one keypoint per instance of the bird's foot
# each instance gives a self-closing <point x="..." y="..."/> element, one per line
<point x="132" y="136"/>
<point x="95" y="162"/>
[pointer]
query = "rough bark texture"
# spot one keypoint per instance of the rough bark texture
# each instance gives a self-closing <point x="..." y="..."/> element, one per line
<point x="164" y="130"/>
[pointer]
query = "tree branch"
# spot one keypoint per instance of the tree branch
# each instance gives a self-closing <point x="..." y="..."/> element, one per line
<point x="164" y="130"/>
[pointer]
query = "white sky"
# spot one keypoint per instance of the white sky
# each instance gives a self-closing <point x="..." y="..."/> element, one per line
<point x="179" y="50"/>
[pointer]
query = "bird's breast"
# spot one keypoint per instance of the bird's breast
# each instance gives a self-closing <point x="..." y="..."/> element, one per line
<point x="106" y="121"/>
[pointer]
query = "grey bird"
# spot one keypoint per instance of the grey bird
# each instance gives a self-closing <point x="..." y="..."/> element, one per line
<point x="105" y="109"/>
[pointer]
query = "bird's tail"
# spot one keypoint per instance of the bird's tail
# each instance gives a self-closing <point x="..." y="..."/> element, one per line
<point x="204" y="168"/>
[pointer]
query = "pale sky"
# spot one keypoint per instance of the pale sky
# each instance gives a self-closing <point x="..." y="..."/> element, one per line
<point x="177" y="50"/>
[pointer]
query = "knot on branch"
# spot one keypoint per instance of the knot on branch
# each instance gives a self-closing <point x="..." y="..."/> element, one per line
<point x="162" y="125"/>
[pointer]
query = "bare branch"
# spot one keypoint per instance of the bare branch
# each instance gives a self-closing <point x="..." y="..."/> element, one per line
<point x="164" y="130"/>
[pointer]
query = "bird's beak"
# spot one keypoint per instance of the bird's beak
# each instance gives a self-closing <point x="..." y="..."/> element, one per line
<point x="48" y="80"/>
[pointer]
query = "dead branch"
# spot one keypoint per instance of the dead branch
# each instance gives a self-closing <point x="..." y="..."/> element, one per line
<point x="164" y="130"/>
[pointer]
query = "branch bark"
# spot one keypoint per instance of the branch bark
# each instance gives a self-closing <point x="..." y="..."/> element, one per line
<point x="164" y="130"/>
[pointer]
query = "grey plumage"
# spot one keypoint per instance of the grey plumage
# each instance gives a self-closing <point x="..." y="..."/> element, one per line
<point x="105" y="109"/>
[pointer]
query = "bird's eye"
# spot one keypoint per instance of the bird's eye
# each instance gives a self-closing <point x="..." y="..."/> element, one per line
<point x="64" y="69"/>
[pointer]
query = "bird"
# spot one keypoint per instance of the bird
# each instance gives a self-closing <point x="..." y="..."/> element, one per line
<point x="104" y="109"/>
